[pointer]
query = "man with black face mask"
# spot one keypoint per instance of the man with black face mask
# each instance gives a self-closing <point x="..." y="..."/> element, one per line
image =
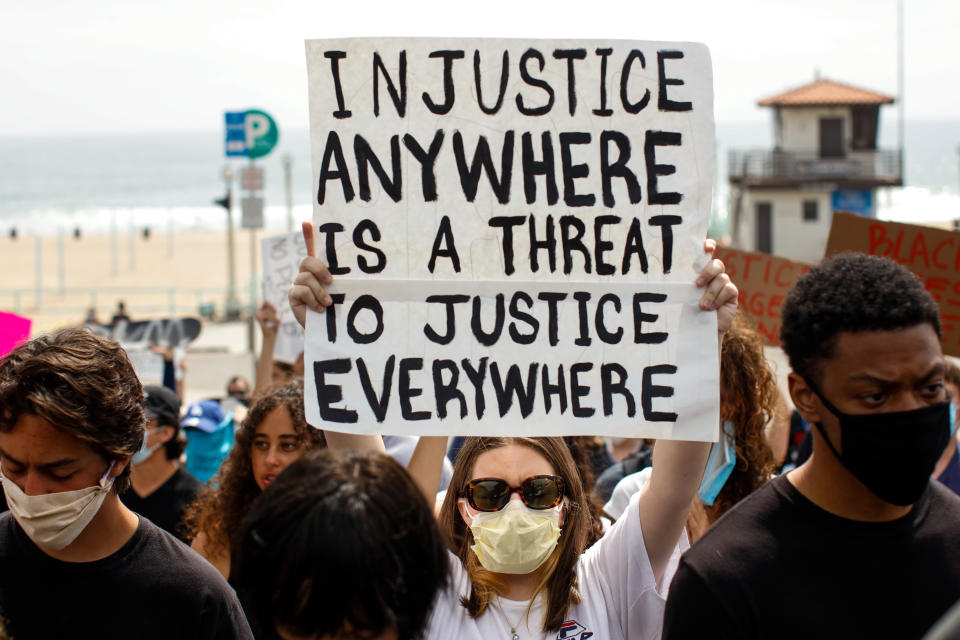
<point x="857" y="542"/>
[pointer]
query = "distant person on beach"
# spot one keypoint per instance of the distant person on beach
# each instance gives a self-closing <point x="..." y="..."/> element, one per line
<point x="857" y="542"/>
<point x="273" y="435"/>
<point x="120" y="315"/>
<point x="358" y="517"/>
<point x="74" y="561"/>
<point x="161" y="488"/>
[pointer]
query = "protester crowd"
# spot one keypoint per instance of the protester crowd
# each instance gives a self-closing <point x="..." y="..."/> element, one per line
<point x="133" y="516"/>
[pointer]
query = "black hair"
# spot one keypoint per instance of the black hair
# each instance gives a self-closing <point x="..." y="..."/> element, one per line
<point x="341" y="540"/>
<point x="849" y="292"/>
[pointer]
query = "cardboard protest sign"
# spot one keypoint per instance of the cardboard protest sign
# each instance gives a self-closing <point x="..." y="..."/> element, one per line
<point x="513" y="227"/>
<point x="281" y="263"/>
<point x="763" y="281"/>
<point x="14" y="330"/>
<point x="137" y="337"/>
<point x="933" y="254"/>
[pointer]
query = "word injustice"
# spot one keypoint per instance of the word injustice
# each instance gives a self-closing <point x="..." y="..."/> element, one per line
<point x="554" y="394"/>
<point x="531" y="64"/>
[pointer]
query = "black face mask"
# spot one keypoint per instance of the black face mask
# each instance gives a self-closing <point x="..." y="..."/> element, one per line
<point x="892" y="454"/>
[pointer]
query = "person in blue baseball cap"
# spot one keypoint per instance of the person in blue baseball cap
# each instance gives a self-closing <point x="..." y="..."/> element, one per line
<point x="210" y="436"/>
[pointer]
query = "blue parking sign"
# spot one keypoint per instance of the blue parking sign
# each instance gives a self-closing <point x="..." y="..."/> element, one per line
<point x="235" y="143"/>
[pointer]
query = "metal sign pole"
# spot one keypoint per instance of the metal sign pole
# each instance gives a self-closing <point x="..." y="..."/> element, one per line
<point x="253" y="280"/>
<point x="288" y="186"/>
<point x="232" y="304"/>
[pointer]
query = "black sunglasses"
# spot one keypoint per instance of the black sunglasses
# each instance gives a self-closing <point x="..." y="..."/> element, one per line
<point x="493" y="494"/>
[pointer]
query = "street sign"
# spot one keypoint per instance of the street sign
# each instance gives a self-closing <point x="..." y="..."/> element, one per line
<point x="252" y="217"/>
<point x="251" y="178"/>
<point x="262" y="133"/>
<point x="252" y="133"/>
<point x="235" y="143"/>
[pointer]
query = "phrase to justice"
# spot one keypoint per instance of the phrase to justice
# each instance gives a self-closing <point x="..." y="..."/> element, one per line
<point x="534" y="322"/>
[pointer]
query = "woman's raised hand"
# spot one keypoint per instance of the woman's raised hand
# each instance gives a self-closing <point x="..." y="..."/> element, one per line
<point x="309" y="288"/>
<point x="720" y="294"/>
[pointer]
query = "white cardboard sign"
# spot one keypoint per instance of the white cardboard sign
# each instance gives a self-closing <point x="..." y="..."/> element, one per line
<point x="538" y="205"/>
<point x="281" y="262"/>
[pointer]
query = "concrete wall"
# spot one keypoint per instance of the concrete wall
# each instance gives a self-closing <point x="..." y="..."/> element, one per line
<point x="800" y="127"/>
<point x="792" y="236"/>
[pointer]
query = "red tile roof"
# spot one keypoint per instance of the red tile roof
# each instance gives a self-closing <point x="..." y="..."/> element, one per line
<point x="825" y="92"/>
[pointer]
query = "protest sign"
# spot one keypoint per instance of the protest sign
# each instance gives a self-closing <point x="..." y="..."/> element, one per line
<point x="513" y="227"/>
<point x="137" y="337"/>
<point x="14" y="330"/>
<point x="932" y="254"/>
<point x="281" y="263"/>
<point x="763" y="281"/>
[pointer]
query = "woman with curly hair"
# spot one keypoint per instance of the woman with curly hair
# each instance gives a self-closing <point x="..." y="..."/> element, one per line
<point x="742" y="460"/>
<point x="273" y="435"/>
<point x="749" y="399"/>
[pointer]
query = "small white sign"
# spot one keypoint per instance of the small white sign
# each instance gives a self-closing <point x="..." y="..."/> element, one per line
<point x="281" y="263"/>
<point x="251" y="178"/>
<point x="252" y="216"/>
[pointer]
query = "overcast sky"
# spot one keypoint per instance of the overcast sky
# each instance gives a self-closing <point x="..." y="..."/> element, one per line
<point x="109" y="66"/>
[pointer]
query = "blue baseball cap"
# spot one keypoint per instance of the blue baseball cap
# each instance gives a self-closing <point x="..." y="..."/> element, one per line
<point x="205" y="415"/>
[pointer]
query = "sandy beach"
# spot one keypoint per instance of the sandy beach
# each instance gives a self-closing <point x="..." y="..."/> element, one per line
<point x="155" y="276"/>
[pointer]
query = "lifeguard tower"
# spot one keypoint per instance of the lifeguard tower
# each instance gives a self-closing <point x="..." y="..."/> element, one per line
<point x="825" y="159"/>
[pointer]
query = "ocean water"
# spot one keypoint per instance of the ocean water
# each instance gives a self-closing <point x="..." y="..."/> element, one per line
<point x="165" y="181"/>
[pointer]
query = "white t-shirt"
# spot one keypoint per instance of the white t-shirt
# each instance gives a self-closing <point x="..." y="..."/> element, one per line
<point x="619" y="596"/>
<point x="625" y="489"/>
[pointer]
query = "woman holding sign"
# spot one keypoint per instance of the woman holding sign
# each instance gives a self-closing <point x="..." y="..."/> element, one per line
<point x="515" y="517"/>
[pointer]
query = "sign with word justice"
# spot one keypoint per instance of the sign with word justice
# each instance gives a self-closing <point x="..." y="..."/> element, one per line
<point x="514" y="228"/>
<point x="763" y="281"/>
<point x="933" y="254"/>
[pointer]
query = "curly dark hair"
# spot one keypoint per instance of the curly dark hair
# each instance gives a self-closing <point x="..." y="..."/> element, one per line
<point x="219" y="512"/>
<point x="849" y="292"/>
<point x="357" y="516"/>
<point x="748" y="399"/>
<point x="82" y="384"/>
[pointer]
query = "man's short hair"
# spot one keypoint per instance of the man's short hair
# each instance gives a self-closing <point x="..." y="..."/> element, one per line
<point x="341" y="540"/>
<point x="849" y="292"/>
<point x="82" y="384"/>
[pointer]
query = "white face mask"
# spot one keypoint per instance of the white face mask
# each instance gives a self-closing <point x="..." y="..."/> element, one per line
<point x="516" y="539"/>
<point x="54" y="520"/>
<point x="145" y="452"/>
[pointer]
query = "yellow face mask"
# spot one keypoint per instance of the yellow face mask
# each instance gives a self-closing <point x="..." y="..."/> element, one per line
<point x="516" y="539"/>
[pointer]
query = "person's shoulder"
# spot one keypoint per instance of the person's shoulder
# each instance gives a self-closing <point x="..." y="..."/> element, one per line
<point x="944" y="505"/>
<point x="185" y="481"/>
<point x="750" y="524"/>
<point x="168" y="559"/>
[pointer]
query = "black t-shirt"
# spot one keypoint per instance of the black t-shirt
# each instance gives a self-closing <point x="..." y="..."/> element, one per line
<point x="778" y="566"/>
<point x="165" y="506"/>
<point x="154" y="586"/>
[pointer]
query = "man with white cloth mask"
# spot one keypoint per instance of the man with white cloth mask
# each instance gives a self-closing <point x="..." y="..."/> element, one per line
<point x="74" y="561"/>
